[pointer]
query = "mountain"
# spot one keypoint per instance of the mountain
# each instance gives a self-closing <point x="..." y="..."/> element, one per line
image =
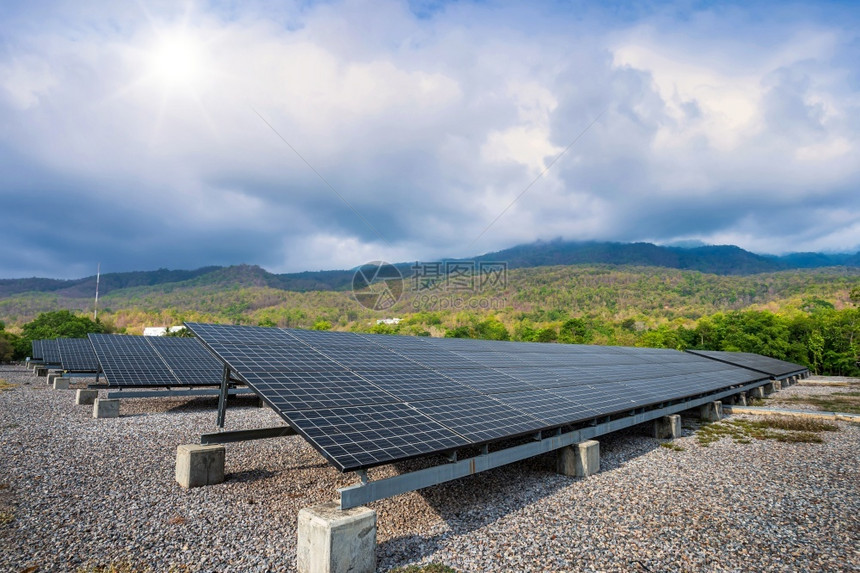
<point x="719" y="260"/>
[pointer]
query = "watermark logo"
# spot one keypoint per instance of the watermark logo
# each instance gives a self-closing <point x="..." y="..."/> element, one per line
<point x="377" y="285"/>
<point x="436" y="285"/>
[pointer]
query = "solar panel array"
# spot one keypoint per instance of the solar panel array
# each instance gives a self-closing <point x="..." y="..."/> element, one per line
<point x="366" y="400"/>
<point x="76" y="355"/>
<point x="150" y="361"/>
<point x="774" y="367"/>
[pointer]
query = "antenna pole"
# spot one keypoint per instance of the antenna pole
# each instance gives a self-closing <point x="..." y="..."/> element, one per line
<point x="96" y="306"/>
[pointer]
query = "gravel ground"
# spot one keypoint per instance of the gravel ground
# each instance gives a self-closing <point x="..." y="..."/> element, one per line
<point x="79" y="492"/>
<point x="807" y="388"/>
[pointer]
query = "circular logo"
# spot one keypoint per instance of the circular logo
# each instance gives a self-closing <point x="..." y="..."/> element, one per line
<point x="377" y="285"/>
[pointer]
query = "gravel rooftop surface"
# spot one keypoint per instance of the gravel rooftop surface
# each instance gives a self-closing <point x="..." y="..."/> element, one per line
<point x="77" y="493"/>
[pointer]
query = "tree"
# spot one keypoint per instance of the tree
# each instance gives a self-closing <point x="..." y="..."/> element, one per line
<point x="6" y="349"/>
<point x="854" y="295"/>
<point x="59" y="324"/>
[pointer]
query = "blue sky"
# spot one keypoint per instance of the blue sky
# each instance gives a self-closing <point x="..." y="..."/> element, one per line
<point x="319" y="135"/>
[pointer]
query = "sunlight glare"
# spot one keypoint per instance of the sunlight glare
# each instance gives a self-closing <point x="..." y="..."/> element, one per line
<point x="177" y="60"/>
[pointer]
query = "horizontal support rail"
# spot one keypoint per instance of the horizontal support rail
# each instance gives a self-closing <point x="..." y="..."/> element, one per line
<point x="363" y="493"/>
<point x="246" y="435"/>
<point x="130" y="393"/>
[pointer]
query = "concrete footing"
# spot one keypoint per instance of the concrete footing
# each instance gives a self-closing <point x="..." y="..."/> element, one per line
<point x="61" y="383"/>
<point x="198" y="465"/>
<point x="41" y="371"/>
<point x="666" y="427"/>
<point x="757" y="393"/>
<point x="104" y="408"/>
<point x="767" y="388"/>
<point x="580" y="460"/>
<point x="711" y="412"/>
<point x="777" y="385"/>
<point x="334" y="540"/>
<point x="741" y="399"/>
<point x="86" y="397"/>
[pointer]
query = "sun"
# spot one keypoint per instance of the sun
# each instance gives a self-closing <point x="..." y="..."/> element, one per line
<point x="177" y="60"/>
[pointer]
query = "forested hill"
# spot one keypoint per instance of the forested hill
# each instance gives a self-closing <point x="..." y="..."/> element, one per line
<point x="719" y="260"/>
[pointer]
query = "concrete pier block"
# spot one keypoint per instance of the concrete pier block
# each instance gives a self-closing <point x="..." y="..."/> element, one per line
<point x="198" y="465"/>
<point x="334" y="540"/>
<point x="104" y="408"/>
<point x="51" y="377"/>
<point x="580" y="460"/>
<point x="741" y="399"/>
<point x="666" y="427"/>
<point x="777" y="385"/>
<point x="711" y="412"/>
<point x="61" y="383"/>
<point x="767" y="388"/>
<point x="757" y="393"/>
<point x="86" y="397"/>
<point x="41" y="371"/>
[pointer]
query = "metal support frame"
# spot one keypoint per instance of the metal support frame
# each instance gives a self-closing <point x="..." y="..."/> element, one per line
<point x="246" y="435"/>
<point x="222" y="397"/>
<point x="168" y="392"/>
<point x="363" y="493"/>
<point x="789" y="375"/>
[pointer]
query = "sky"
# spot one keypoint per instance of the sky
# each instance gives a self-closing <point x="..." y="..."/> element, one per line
<point x="323" y="135"/>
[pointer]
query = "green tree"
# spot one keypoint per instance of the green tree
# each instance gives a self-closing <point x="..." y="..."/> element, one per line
<point x="59" y="324"/>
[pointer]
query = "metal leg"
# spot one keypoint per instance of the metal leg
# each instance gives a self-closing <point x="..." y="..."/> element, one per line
<point x="222" y="397"/>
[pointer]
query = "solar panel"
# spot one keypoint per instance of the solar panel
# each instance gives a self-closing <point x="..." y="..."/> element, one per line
<point x="76" y="355"/>
<point x="50" y="351"/>
<point x="310" y="390"/>
<point x="150" y="361"/>
<point x="131" y="361"/>
<point x="188" y="359"/>
<point x="364" y="400"/>
<point x="36" y="353"/>
<point x="366" y="436"/>
<point x="408" y="385"/>
<point x="772" y="366"/>
<point x="479" y="420"/>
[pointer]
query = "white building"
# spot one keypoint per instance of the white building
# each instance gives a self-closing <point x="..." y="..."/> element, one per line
<point x="160" y="330"/>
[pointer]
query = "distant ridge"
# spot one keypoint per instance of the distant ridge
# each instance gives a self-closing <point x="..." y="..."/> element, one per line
<point x="720" y="259"/>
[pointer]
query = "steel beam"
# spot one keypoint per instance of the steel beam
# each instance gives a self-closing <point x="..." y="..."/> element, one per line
<point x="129" y="393"/>
<point x="222" y="396"/>
<point x="363" y="493"/>
<point x="246" y="435"/>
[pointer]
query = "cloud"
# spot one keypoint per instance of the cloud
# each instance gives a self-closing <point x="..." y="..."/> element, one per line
<point x="321" y="135"/>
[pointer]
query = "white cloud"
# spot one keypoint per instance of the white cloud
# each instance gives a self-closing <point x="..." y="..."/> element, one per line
<point x="429" y="128"/>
